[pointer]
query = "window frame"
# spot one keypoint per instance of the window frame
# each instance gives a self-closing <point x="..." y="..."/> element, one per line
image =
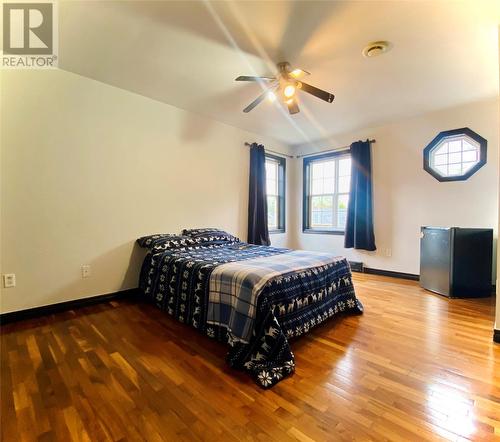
<point x="465" y="132"/>
<point x="281" y="206"/>
<point x="306" y="191"/>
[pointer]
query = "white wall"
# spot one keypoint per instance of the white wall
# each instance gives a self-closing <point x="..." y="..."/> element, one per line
<point x="497" y="315"/>
<point x="87" y="168"/>
<point x="405" y="196"/>
<point x="497" y="305"/>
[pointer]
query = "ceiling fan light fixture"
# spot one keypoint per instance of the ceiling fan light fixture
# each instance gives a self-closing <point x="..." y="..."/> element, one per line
<point x="376" y="48"/>
<point x="271" y="96"/>
<point x="284" y="87"/>
<point x="289" y="91"/>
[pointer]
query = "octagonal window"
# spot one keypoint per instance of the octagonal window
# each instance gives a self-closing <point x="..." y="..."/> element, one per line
<point x="455" y="155"/>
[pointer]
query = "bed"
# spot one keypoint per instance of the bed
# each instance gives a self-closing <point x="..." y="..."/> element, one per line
<point x="252" y="298"/>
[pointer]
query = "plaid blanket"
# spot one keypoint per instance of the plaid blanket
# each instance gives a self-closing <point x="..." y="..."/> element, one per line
<point x="235" y="287"/>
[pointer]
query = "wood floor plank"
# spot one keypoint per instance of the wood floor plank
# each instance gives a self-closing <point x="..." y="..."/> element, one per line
<point x="414" y="366"/>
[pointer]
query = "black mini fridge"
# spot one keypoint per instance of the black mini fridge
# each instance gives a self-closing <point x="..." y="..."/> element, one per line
<point x="456" y="262"/>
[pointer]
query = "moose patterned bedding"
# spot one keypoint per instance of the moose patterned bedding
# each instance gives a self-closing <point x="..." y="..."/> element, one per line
<point x="252" y="298"/>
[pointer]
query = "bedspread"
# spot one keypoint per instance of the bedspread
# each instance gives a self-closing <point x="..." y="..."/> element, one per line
<point x="290" y="293"/>
<point x="235" y="287"/>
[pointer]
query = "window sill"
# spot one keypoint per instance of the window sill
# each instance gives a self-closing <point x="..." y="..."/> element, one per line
<point x="276" y="231"/>
<point x="324" y="232"/>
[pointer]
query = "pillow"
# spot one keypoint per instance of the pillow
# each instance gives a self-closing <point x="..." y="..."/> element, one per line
<point x="163" y="241"/>
<point x="210" y="235"/>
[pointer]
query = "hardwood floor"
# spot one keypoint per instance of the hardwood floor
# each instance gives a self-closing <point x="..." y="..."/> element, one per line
<point x="415" y="366"/>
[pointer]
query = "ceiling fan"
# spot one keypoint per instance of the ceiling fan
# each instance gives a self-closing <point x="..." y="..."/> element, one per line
<point x="285" y="85"/>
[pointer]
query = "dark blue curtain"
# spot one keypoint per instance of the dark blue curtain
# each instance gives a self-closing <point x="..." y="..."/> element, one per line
<point x="359" y="226"/>
<point x="258" y="232"/>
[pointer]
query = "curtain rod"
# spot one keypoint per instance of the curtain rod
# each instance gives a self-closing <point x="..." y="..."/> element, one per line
<point x="272" y="151"/>
<point x="329" y="150"/>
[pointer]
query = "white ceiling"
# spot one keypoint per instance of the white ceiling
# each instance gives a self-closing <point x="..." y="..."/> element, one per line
<point x="187" y="53"/>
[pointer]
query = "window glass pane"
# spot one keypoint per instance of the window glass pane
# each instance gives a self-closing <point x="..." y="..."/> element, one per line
<point x="328" y="185"/>
<point x="271" y="187"/>
<point x="341" y="218"/>
<point x="327" y="203"/>
<point x="455" y="157"/>
<point x="329" y="169"/>
<point x="317" y="187"/>
<point x="345" y="167"/>
<point x="272" y="212"/>
<point x="441" y="149"/>
<point x="454" y="169"/>
<point x="317" y="170"/>
<point x="316" y="203"/>
<point x="455" y="146"/>
<point x="467" y="145"/>
<point x="322" y="211"/>
<point x="323" y="177"/>
<point x="342" y="203"/>
<point x="327" y="218"/>
<point x="443" y="170"/>
<point x="344" y="184"/>
<point x="274" y="186"/>
<point x="470" y="155"/>
<point x="441" y="159"/>
<point x="322" y="202"/>
<point x="271" y="169"/>
<point x="271" y="177"/>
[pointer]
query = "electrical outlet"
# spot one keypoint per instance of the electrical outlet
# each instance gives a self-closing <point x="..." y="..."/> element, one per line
<point x="9" y="280"/>
<point x="386" y="251"/>
<point x="85" y="271"/>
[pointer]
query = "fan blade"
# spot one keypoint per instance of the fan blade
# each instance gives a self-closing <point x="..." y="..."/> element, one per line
<point x="323" y="95"/>
<point x="297" y="73"/>
<point x="255" y="102"/>
<point x="250" y="78"/>
<point x="293" y="107"/>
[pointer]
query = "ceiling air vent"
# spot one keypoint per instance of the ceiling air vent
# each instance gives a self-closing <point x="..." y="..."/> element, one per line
<point x="376" y="48"/>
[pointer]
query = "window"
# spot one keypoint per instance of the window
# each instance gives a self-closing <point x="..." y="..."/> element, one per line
<point x="455" y="155"/>
<point x="327" y="181"/>
<point x="275" y="188"/>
